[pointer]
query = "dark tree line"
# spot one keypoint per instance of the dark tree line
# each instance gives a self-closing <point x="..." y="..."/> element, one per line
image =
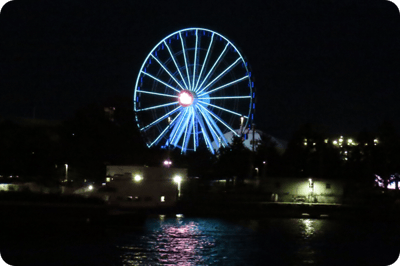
<point x="96" y="136"/>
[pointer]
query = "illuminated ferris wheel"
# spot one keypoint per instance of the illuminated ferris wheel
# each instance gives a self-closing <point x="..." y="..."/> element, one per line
<point x="192" y="88"/>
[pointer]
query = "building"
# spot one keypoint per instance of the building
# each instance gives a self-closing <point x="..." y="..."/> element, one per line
<point x="140" y="186"/>
<point x="315" y="190"/>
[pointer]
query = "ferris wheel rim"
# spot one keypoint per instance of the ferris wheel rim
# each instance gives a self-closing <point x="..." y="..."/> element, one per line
<point x="202" y="93"/>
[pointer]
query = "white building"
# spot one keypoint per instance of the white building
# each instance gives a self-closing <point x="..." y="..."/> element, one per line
<point x="140" y="186"/>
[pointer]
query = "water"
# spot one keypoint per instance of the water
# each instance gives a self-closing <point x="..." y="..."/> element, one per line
<point x="207" y="241"/>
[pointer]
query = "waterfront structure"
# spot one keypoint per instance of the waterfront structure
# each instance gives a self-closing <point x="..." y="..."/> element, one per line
<point x="313" y="190"/>
<point x="140" y="186"/>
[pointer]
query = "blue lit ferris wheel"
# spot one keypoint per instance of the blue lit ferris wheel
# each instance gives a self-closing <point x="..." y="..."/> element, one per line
<point x="192" y="88"/>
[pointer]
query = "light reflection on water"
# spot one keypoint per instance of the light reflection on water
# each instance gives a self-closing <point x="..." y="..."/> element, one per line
<point x="189" y="241"/>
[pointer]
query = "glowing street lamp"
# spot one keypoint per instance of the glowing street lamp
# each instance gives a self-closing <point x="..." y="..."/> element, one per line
<point x="137" y="178"/>
<point x="177" y="179"/>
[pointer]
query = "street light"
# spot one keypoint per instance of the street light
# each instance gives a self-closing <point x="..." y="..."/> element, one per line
<point x="177" y="179"/>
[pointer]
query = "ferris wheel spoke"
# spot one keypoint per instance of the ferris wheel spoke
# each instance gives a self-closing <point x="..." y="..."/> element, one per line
<point x="195" y="59"/>
<point x="204" y="62"/>
<point x="223" y="86"/>
<point x="223" y="109"/>
<point x="223" y="98"/>
<point x="159" y="94"/>
<point x="176" y="64"/>
<point x="220" y="75"/>
<point x="187" y="133"/>
<point x="176" y="127"/>
<point x="180" y="130"/>
<point x="161" y="118"/>
<point x="162" y="82"/>
<point x="203" y="129"/>
<point x="164" y="131"/>
<point x="218" y="133"/>
<point x="220" y="120"/>
<point x="157" y="106"/>
<point x="166" y="70"/>
<point x="194" y="130"/>
<point x="186" y="61"/>
<point x="213" y="67"/>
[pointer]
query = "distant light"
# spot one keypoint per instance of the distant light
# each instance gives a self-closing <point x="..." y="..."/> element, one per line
<point x="326" y="140"/>
<point x="162" y="198"/>
<point x="376" y="140"/>
<point x="314" y="144"/>
<point x="340" y="140"/>
<point x="305" y="143"/>
<point x="137" y="178"/>
<point x="349" y="141"/>
<point x="335" y="142"/>
<point x="90" y="187"/>
<point x="103" y="184"/>
<point x="179" y="216"/>
<point x="177" y="179"/>
<point x="167" y="162"/>
<point x="264" y="162"/>
<point x="108" y="179"/>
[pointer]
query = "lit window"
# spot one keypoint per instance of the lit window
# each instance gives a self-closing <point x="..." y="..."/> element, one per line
<point x="162" y="198"/>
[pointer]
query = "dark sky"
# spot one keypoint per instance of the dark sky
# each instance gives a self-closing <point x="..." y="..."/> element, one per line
<point x="335" y="63"/>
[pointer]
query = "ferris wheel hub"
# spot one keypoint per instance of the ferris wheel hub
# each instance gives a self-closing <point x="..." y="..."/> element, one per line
<point x="186" y="98"/>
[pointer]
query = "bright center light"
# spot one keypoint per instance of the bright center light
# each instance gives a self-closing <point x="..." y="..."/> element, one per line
<point x="185" y="98"/>
<point x="90" y="187"/>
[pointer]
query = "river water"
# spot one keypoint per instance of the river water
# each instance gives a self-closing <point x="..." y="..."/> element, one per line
<point x="210" y="241"/>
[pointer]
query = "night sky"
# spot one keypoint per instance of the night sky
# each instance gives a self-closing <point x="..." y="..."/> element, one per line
<point x="335" y="63"/>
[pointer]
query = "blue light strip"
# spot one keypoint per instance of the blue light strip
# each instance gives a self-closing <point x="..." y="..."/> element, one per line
<point x="205" y="134"/>
<point x="186" y="65"/>
<point x="157" y="106"/>
<point x="164" y="131"/>
<point x="166" y="70"/>
<point x="223" y="98"/>
<point x="210" y="127"/>
<point x="162" y="82"/>
<point x="204" y="63"/>
<point x="176" y="127"/>
<point x="176" y="65"/>
<point x="161" y="118"/>
<point x="223" y="109"/>
<point x="214" y="124"/>
<point x="195" y="60"/>
<point x="220" y="75"/>
<point x="220" y="120"/>
<point x="212" y="68"/>
<point x="194" y="130"/>
<point x="223" y="86"/>
<point x="180" y="130"/>
<point x="186" y="137"/>
<point x="160" y="94"/>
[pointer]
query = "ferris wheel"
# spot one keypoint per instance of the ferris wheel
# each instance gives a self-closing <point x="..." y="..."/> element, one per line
<point x="193" y="87"/>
